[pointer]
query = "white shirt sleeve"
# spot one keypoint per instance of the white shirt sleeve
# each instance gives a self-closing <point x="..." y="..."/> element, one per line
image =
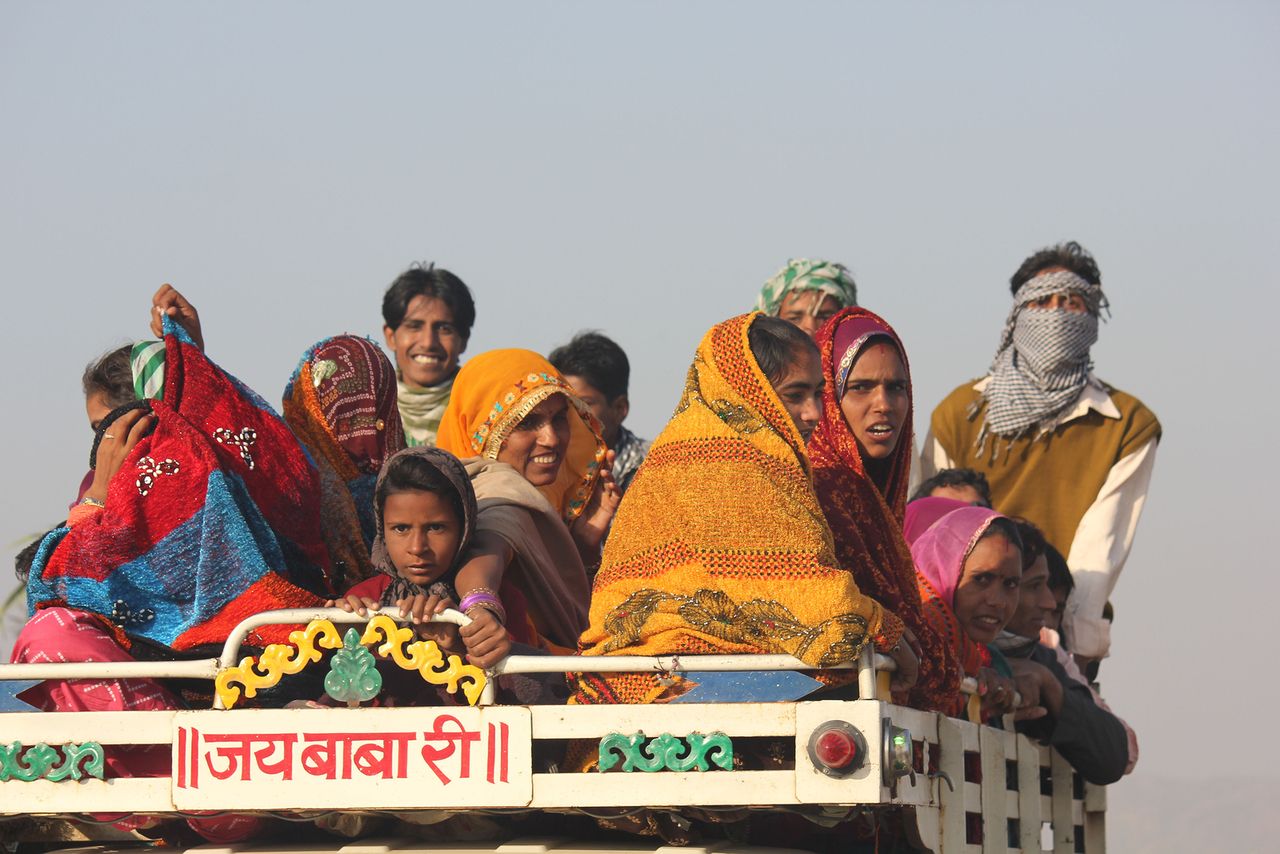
<point x="1101" y="547"/>
<point x="934" y="458"/>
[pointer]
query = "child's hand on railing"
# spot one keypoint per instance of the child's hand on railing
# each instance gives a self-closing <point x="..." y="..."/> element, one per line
<point x="486" y="638"/>
<point x="420" y="608"/>
<point x="353" y="604"/>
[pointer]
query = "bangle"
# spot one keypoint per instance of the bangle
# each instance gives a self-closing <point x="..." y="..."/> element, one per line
<point x="92" y="502"/>
<point x="493" y="608"/>
<point x="473" y="598"/>
<point x="483" y="590"/>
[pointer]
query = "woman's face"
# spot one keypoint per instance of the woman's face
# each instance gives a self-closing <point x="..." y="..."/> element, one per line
<point x="801" y="390"/>
<point x="876" y="400"/>
<point x="97" y="408"/>
<point x="1035" y="601"/>
<point x="422" y="532"/>
<point x="537" y="446"/>
<point x="988" y="591"/>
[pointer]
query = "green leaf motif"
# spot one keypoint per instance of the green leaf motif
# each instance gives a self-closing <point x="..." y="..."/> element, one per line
<point x="41" y="761"/>
<point x="353" y="675"/>
<point x="666" y="752"/>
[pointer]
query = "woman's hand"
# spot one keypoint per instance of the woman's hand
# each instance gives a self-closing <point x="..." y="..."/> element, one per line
<point x="420" y="608"/>
<point x="486" y="638"/>
<point x="167" y="302"/>
<point x="353" y="604"/>
<point x="589" y="528"/>
<point x="114" y="448"/>
<point x="908" y="670"/>
<point x="998" y="693"/>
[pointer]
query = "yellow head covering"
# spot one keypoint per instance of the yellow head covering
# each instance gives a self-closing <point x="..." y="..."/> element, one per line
<point x="493" y="393"/>
<point x="720" y="545"/>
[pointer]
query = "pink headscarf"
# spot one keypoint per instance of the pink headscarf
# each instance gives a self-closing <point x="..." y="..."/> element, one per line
<point x="923" y="512"/>
<point x="940" y="552"/>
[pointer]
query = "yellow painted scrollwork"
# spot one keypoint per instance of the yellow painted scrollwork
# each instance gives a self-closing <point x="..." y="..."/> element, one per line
<point x="398" y="644"/>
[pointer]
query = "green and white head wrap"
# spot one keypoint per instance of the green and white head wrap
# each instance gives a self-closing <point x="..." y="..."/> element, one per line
<point x="147" y="362"/>
<point x="808" y="274"/>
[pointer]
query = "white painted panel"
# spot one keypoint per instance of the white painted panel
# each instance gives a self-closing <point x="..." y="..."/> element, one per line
<point x="951" y="762"/>
<point x="1029" y="820"/>
<point x="1064" y="834"/>
<point x="402" y="758"/>
<point x="863" y="786"/>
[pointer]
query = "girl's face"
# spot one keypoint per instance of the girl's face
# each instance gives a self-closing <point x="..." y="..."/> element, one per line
<point x="800" y="391"/>
<point x="422" y="532"/>
<point x="537" y="446"/>
<point x="988" y="591"/>
<point x="876" y="400"/>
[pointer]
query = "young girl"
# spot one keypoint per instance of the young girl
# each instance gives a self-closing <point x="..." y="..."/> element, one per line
<point x="425" y="511"/>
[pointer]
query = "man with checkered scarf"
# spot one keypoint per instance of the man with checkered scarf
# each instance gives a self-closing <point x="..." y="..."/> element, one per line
<point x="1058" y="446"/>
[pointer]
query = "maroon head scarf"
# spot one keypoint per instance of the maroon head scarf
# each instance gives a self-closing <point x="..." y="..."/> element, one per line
<point x="866" y="515"/>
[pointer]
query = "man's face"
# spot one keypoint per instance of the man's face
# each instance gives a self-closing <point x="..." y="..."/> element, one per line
<point x="808" y="310"/>
<point x="1073" y="303"/>
<point x="610" y="414"/>
<point x="427" y="344"/>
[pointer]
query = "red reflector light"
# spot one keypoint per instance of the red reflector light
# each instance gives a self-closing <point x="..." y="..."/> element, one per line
<point x="836" y="749"/>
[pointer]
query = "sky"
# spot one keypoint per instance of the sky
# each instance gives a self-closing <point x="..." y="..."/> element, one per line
<point x="641" y="169"/>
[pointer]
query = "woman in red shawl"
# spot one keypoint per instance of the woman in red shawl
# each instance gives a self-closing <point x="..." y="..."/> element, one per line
<point x="861" y="455"/>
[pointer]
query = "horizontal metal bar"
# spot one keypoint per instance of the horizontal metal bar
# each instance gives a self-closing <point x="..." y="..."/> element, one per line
<point x="204" y="668"/>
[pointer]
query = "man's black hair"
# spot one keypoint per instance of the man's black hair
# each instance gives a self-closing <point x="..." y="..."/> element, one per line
<point x="1059" y="573"/>
<point x="1070" y="255"/>
<point x="776" y="343"/>
<point x="955" y="477"/>
<point x="598" y="360"/>
<point x="1033" y="541"/>
<point x="436" y="283"/>
<point x="112" y="375"/>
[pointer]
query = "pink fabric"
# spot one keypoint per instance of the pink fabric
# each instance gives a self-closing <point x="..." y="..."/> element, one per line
<point x="1051" y="639"/>
<point x="64" y="635"/>
<point x="940" y="552"/>
<point x="61" y="635"/>
<point x="923" y="512"/>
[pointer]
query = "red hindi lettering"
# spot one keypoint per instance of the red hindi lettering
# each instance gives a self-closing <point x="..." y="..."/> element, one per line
<point x="432" y="755"/>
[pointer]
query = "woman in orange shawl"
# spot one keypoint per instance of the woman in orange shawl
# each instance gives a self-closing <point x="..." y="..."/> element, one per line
<point x="860" y="474"/>
<point x="536" y="460"/>
<point x="720" y="545"/>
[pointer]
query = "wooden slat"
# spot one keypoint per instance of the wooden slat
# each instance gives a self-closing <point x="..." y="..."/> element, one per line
<point x="733" y="719"/>
<point x="995" y="828"/>
<point x="1064" y="832"/>
<point x="1029" y="803"/>
<point x="729" y="788"/>
<point x="124" y="794"/>
<point x="951" y="763"/>
<point x="79" y="727"/>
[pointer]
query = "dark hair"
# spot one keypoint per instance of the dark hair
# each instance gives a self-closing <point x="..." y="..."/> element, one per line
<point x="955" y="477"/>
<point x="1004" y="527"/>
<point x="436" y="283"/>
<point x="598" y="360"/>
<point x="776" y="343"/>
<point x="24" y="559"/>
<point x="1070" y="255"/>
<point x="1033" y="541"/>
<point x="1059" y="573"/>
<point x="409" y="473"/>
<point x="112" y="375"/>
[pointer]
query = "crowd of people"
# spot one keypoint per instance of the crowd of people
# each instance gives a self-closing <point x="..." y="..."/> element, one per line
<point x="770" y="515"/>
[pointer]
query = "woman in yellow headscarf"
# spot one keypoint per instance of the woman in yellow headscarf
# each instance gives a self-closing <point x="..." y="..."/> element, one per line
<point x="720" y="545"/>
<point x="537" y="462"/>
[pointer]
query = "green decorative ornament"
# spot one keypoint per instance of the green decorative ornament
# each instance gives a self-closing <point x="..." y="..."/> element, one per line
<point x="666" y="752"/>
<point x="41" y="762"/>
<point x="353" y="675"/>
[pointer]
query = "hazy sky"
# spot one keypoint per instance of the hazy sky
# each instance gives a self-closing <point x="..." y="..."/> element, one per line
<point x="641" y="169"/>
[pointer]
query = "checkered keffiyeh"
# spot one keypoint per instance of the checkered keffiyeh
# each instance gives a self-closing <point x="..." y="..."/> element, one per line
<point x="1043" y="362"/>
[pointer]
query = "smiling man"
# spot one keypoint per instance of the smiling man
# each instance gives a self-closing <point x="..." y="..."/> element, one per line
<point x="428" y="313"/>
<point x="1058" y="446"/>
